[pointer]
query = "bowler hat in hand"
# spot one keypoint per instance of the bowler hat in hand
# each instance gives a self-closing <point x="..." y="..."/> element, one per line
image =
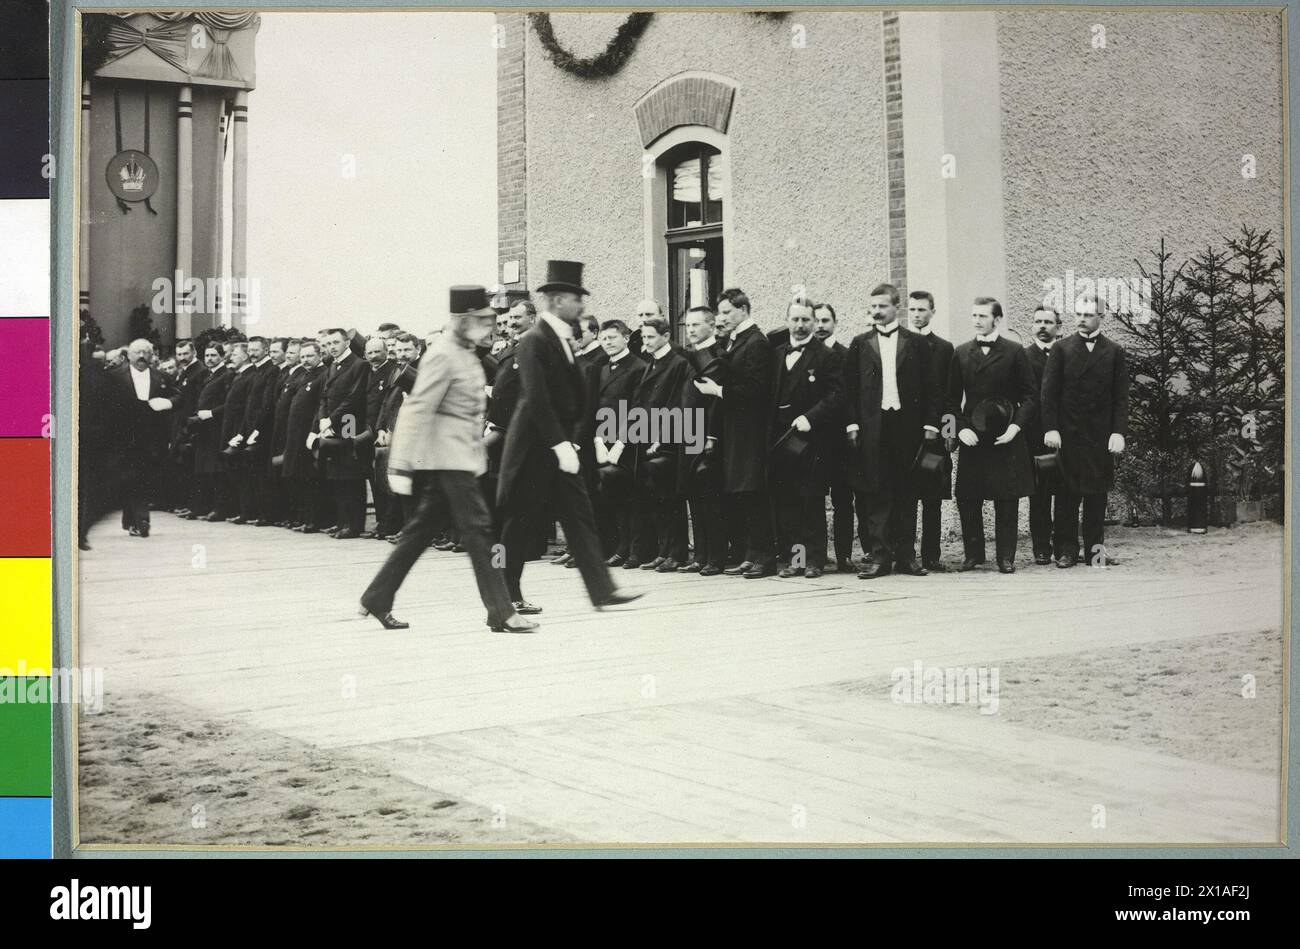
<point x="563" y="275"/>
<point x="991" y="418"/>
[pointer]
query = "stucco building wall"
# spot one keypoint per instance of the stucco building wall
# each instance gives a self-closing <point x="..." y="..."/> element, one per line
<point x="1105" y="151"/>
<point x="806" y="143"/>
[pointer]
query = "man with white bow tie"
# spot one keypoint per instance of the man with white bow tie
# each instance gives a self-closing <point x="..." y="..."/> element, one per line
<point x="1085" y="414"/>
<point x="892" y="403"/>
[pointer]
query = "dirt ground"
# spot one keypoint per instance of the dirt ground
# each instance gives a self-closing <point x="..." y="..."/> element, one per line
<point x="155" y="772"/>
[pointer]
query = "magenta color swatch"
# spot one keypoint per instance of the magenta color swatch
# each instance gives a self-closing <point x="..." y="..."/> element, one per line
<point x="24" y="376"/>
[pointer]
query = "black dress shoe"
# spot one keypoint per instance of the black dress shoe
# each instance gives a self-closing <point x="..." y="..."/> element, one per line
<point x="346" y="534"/>
<point x="516" y="625"/>
<point x="845" y="566"/>
<point x="445" y="546"/>
<point x="1006" y="566"/>
<point x="668" y="566"/>
<point x="213" y="517"/>
<point x="137" y="532"/>
<point x="332" y="530"/>
<point x="239" y="519"/>
<point x="631" y="564"/>
<point x="740" y="569"/>
<point x="653" y="564"/>
<point x="785" y="573"/>
<point x="386" y="620"/>
<point x="82" y="545"/>
<point x="692" y="567"/>
<point x="970" y="563"/>
<point x="617" y="599"/>
<point x="191" y="516"/>
<point x="758" y="570"/>
<point x="394" y="538"/>
<point x="710" y="570"/>
<point x="870" y="570"/>
<point x="910" y="568"/>
<point x="615" y="561"/>
<point x="812" y="573"/>
<point x="1065" y="562"/>
<point x="309" y="529"/>
<point x="935" y="566"/>
<point x="458" y="548"/>
<point x="524" y="608"/>
<point x="367" y="535"/>
<point x="1042" y="559"/>
<point x="561" y="560"/>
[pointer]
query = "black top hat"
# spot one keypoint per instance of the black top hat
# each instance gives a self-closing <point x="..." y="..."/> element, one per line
<point x="468" y="300"/>
<point x="991" y="417"/>
<point x="563" y="275"/>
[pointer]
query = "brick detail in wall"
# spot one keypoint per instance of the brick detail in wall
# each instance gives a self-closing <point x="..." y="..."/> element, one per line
<point x="893" y="80"/>
<point x="688" y="100"/>
<point x="512" y="137"/>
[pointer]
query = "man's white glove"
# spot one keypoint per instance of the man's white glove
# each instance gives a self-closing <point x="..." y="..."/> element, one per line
<point x="801" y="424"/>
<point x="968" y="437"/>
<point x="252" y="439"/>
<point x="205" y="414"/>
<point x="159" y="404"/>
<point x="1116" y="444"/>
<point x="324" y="425"/>
<point x="616" y="452"/>
<point x="1052" y="439"/>
<point x="399" y="482"/>
<point x="708" y="387"/>
<point x="1012" y="431"/>
<point x="381" y="438"/>
<point x="235" y="442"/>
<point x="311" y="439"/>
<point x="567" y="456"/>
<point x="602" y="453"/>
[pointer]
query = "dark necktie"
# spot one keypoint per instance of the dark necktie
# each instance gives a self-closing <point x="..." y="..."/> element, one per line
<point x="887" y="333"/>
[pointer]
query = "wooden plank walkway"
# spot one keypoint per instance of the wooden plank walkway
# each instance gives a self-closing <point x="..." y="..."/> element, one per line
<point x="711" y="714"/>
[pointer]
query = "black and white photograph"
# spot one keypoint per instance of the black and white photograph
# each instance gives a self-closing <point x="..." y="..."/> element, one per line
<point x="525" y="429"/>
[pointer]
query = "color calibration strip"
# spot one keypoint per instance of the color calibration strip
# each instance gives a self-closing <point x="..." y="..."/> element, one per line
<point x="25" y="429"/>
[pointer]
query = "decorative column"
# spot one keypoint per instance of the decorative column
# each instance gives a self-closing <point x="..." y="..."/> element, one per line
<point x="239" y="215"/>
<point x="184" y="209"/>
<point x="83" y="273"/>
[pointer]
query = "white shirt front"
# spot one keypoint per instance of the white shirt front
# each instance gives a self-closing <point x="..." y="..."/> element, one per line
<point x="1045" y="347"/>
<point x="889" y="399"/>
<point x="140" y="379"/>
<point x="923" y="330"/>
<point x="562" y="330"/>
<point x="830" y="341"/>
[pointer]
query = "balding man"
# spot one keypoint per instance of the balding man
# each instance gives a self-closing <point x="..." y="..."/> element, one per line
<point x="645" y="310"/>
<point x="142" y="398"/>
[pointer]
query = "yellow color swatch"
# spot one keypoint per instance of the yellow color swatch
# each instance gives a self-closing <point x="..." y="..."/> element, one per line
<point x="25" y="624"/>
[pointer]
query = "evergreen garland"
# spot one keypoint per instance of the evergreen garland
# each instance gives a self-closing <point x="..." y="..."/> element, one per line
<point x="618" y="52"/>
<point x="605" y="64"/>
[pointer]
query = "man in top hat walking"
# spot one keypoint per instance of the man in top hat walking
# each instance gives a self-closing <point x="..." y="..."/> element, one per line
<point x="1085" y="413"/>
<point x="540" y="469"/>
<point x="991" y="394"/>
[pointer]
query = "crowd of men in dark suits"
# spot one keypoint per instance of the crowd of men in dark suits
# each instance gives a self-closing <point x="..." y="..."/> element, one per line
<point x="294" y="433"/>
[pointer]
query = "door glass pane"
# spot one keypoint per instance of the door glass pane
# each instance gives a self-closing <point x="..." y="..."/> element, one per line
<point x="684" y="204"/>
